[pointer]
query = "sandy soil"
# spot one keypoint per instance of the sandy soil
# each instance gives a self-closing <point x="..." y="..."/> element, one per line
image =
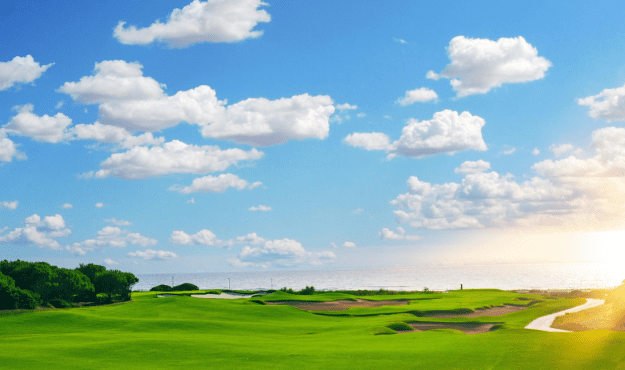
<point x="339" y="305"/>
<point x="610" y="316"/>
<point x="495" y="311"/>
<point x="469" y="328"/>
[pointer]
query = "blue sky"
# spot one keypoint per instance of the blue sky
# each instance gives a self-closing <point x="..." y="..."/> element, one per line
<point x="177" y="136"/>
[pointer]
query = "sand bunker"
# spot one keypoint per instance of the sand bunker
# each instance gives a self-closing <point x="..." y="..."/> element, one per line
<point x="225" y="295"/>
<point x="467" y="327"/>
<point x="495" y="311"/>
<point x="339" y="305"/>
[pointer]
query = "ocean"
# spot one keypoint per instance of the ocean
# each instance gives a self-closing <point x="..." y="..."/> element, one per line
<point x="503" y="276"/>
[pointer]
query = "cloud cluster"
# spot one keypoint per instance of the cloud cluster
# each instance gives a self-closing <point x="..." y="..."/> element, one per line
<point x="261" y="208"/>
<point x="172" y="157"/>
<point x="113" y="237"/>
<point x="478" y="65"/>
<point x="215" y="184"/>
<point x="49" y="129"/>
<point x="210" y="21"/>
<point x="387" y="234"/>
<point x="39" y="232"/>
<point x="150" y="254"/>
<point x="257" y="251"/>
<point x="20" y="70"/>
<point x="419" y="95"/>
<point x="447" y="132"/>
<point x="134" y="102"/>
<point x="609" y="104"/>
<point x="9" y="205"/>
<point x="8" y="149"/>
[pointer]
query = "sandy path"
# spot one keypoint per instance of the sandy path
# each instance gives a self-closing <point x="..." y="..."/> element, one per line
<point x="544" y="323"/>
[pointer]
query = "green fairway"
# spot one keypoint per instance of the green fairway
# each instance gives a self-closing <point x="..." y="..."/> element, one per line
<point x="186" y="332"/>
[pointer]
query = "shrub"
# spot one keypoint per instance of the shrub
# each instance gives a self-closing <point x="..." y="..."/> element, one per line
<point x="59" y="303"/>
<point x="399" y="326"/>
<point x="161" y="288"/>
<point x="308" y="290"/>
<point x="289" y="290"/>
<point x="185" y="286"/>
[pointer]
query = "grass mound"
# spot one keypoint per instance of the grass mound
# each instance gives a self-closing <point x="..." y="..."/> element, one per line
<point x="399" y="326"/>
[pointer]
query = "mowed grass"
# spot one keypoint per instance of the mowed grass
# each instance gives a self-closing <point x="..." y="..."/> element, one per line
<point x="186" y="332"/>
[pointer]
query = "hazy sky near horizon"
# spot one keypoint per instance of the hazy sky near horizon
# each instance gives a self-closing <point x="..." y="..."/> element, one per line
<point x="178" y="136"/>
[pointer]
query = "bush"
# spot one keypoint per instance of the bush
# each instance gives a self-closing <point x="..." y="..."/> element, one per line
<point x="161" y="288"/>
<point x="60" y="303"/>
<point x="308" y="290"/>
<point x="289" y="290"/>
<point x="399" y="326"/>
<point x="184" y="287"/>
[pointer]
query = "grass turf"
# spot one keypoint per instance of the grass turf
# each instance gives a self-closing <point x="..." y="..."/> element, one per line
<point x="182" y="332"/>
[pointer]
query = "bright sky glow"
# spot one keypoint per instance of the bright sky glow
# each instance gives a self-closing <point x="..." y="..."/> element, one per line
<point x="222" y="135"/>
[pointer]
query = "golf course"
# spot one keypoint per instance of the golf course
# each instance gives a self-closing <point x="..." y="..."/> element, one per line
<point x="275" y="331"/>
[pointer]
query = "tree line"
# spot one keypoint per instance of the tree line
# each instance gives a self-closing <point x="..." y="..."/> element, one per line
<point x="28" y="285"/>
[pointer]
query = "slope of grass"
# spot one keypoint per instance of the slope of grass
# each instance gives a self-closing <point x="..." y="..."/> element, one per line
<point x="184" y="332"/>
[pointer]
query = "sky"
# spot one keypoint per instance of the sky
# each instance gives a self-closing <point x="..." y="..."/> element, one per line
<point x="241" y="135"/>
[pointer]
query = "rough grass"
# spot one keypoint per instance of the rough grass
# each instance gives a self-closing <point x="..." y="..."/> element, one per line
<point x="184" y="332"/>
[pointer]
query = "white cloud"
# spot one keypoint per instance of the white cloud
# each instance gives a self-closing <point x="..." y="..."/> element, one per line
<point x="262" y="122"/>
<point x="8" y="149"/>
<point x="113" y="237"/>
<point x="67" y="206"/>
<point x="447" y="132"/>
<point x="358" y="211"/>
<point x="401" y="41"/>
<point x="349" y="245"/>
<point x="609" y="104"/>
<point x="42" y="233"/>
<point x="536" y="151"/>
<point x="473" y="167"/>
<point x="149" y="254"/>
<point x="431" y="75"/>
<point x="110" y="262"/>
<point x="50" y="129"/>
<point x="210" y="21"/>
<point x="117" y="222"/>
<point x="360" y="115"/>
<point x="388" y="117"/>
<point x="509" y="151"/>
<point x="99" y="205"/>
<point x="172" y="157"/>
<point x="112" y="134"/>
<point x="346" y="106"/>
<point x="20" y="70"/>
<point x="9" y="205"/>
<point x="191" y="201"/>
<point x="59" y="104"/>
<point x="213" y="184"/>
<point x="261" y="208"/>
<point x="369" y="140"/>
<point x="333" y="245"/>
<point x="203" y="237"/>
<point x="558" y="150"/>
<point x="478" y="65"/>
<point x="135" y="102"/>
<point x="388" y="234"/>
<point x="419" y="95"/>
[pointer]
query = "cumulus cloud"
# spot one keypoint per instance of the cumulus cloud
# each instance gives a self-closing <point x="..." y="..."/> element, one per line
<point x="478" y="65"/>
<point x="213" y="184"/>
<point x="349" y="244"/>
<point x="387" y="234"/>
<point x="49" y="129"/>
<point x="38" y="232"/>
<point x="8" y="149"/>
<point x="202" y="237"/>
<point x="117" y="222"/>
<point x="113" y="237"/>
<point x="67" y="206"/>
<point x="559" y="150"/>
<point x="150" y="254"/>
<point x="346" y="106"/>
<point x="172" y="157"/>
<point x="447" y="132"/>
<point x="209" y="21"/>
<point x="473" y="167"/>
<point x="262" y="122"/>
<point x="110" y="262"/>
<point x="261" y="208"/>
<point x="99" y="205"/>
<point x="609" y="104"/>
<point x="419" y="95"/>
<point x="20" y="70"/>
<point x="113" y="134"/>
<point x="536" y="151"/>
<point x="134" y="102"/>
<point x="401" y="41"/>
<point x="9" y="205"/>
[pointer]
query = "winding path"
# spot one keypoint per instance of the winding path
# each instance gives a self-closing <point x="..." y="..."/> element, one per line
<point x="544" y="323"/>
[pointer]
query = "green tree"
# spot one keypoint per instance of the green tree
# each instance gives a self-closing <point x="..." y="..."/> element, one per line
<point x="115" y="282"/>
